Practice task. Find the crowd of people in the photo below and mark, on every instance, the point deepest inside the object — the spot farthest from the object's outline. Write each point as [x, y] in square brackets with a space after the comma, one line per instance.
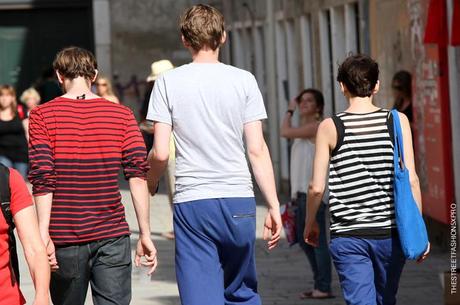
[71, 147]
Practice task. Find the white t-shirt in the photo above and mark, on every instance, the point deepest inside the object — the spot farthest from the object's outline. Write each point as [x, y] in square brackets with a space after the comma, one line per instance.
[302, 155]
[207, 105]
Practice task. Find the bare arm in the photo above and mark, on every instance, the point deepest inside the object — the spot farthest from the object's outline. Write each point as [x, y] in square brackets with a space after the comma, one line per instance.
[409, 159]
[140, 197]
[261, 164]
[145, 247]
[159, 155]
[35, 252]
[25, 124]
[304, 132]
[325, 140]
[43, 204]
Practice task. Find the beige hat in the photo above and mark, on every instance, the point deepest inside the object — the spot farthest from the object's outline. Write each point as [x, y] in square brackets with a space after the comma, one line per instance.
[159, 67]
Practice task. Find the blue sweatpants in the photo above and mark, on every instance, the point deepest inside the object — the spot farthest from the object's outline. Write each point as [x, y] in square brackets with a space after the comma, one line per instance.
[368, 269]
[215, 258]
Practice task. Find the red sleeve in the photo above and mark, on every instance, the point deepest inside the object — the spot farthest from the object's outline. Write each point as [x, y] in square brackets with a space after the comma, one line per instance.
[41, 157]
[20, 195]
[134, 154]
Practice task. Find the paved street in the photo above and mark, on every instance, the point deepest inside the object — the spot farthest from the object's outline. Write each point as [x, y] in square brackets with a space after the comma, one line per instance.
[283, 273]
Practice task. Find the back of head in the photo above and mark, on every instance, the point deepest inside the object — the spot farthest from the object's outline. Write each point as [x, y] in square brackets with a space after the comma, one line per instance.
[359, 74]
[202, 26]
[73, 62]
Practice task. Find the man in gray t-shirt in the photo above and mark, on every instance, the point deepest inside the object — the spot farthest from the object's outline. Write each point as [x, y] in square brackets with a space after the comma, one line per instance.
[210, 107]
[207, 104]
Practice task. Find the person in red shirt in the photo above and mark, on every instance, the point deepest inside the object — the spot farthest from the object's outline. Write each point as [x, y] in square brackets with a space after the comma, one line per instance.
[25, 219]
[78, 143]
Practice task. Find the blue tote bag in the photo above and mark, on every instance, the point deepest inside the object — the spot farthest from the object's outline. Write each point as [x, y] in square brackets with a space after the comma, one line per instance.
[409, 220]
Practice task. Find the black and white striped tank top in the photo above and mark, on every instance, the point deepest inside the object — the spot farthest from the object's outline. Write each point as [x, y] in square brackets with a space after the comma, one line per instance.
[361, 176]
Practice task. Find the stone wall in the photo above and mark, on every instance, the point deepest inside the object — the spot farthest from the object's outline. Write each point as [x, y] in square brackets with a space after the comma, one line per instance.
[144, 32]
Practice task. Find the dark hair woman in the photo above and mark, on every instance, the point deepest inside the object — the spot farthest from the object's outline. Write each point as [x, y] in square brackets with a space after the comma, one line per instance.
[310, 104]
[402, 93]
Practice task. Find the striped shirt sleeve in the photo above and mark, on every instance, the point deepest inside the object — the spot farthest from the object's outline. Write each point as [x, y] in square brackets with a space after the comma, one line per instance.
[42, 174]
[134, 153]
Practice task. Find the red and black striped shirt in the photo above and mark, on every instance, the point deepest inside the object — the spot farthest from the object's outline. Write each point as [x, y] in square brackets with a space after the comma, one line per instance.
[76, 149]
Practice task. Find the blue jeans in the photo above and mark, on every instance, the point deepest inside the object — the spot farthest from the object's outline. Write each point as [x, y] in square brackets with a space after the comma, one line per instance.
[21, 167]
[368, 269]
[105, 264]
[319, 257]
[215, 251]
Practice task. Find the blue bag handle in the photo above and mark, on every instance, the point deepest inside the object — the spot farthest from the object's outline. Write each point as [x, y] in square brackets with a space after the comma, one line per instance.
[399, 147]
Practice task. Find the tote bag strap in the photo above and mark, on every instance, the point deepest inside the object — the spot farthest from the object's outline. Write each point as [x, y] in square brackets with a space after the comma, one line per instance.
[398, 141]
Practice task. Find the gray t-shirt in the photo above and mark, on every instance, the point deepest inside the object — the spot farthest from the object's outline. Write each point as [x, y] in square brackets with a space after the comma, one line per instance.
[207, 105]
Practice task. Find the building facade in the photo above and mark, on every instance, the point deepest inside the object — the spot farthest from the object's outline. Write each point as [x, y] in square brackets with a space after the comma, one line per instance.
[293, 44]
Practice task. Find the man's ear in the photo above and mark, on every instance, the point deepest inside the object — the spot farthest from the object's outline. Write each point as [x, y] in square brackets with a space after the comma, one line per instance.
[59, 77]
[96, 73]
[223, 39]
[376, 88]
[343, 88]
[185, 42]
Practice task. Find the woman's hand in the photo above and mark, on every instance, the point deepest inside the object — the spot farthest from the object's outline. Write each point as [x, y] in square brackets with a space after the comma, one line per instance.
[292, 105]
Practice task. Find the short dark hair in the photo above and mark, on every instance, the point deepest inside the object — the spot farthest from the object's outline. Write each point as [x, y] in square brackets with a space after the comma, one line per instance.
[317, 95]
[202, 26]
[73, 62]
[359, 73]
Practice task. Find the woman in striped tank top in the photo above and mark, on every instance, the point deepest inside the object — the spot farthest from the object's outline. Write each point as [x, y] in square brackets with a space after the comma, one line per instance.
[357, 147]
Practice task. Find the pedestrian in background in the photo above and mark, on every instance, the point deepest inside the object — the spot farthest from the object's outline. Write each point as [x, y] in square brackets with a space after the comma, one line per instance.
[13, 132]
[78, 142]
[310, 105]
[104, 89]
[402, 93]
[147, 128]
[30, 98]
[356, 147]
[210, 107]
[21, 212]
[47, 86]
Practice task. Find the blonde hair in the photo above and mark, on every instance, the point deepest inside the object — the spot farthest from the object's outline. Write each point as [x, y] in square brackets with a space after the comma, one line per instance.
[202, 26]
[8, 89]
[28, 93]
[109, 84]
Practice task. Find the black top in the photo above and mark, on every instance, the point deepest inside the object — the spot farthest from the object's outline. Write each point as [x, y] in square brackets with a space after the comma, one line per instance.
[13, 142]
[409, 113]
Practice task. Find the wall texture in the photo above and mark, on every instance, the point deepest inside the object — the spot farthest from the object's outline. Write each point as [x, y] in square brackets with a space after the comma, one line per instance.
[144, 32]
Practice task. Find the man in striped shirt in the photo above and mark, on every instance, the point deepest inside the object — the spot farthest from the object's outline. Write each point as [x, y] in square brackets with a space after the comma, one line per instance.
[78, 142]
[357, 146]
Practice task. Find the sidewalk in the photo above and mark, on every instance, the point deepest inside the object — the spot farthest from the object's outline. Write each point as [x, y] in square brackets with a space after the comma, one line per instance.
[283, 273]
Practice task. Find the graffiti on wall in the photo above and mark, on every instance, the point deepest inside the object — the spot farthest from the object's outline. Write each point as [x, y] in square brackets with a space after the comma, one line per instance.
[422, 86]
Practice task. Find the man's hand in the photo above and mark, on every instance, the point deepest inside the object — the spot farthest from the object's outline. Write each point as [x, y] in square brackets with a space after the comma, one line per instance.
[51, 251]
[311, 234]
[151, 184]
[272, 226]
[424, 255]
[146, 248]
